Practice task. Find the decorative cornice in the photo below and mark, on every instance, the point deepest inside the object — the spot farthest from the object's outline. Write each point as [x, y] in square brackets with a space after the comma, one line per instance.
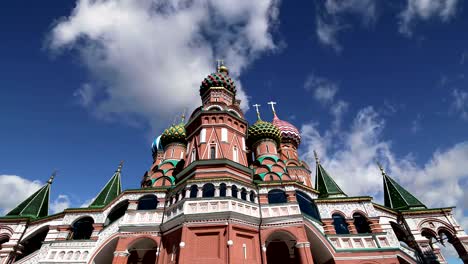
[344, 199]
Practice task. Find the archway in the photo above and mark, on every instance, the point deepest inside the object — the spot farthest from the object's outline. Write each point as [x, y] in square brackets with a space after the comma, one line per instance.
[142, 251]
[33, 242]
[208, 190]
[277, 196]
[147, 202]
[117, 212]
[281, 248]
[82, 228]
[441, 238]
[193, 191]
[361, 224]
[339, 222]
[106, 254]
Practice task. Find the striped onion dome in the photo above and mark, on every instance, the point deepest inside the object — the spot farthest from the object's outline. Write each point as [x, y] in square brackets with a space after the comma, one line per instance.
[288, 131]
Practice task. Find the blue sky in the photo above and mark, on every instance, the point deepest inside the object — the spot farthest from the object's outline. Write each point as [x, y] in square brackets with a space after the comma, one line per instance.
[85, 84]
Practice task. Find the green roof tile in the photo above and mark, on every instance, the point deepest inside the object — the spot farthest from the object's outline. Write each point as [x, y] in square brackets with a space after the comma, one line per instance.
[112, 189]
[325, 184]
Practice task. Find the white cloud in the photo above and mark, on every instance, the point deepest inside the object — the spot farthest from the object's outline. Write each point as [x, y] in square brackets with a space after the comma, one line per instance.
[86, 94]
[460, 103]
[426, 10]
[329, 18]
[61, 203]
[324, 92]
[350, 156]
[148, 58]
[15, 189]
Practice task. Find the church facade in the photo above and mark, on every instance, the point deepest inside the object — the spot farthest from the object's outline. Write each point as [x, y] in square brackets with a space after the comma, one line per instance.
[223, 191]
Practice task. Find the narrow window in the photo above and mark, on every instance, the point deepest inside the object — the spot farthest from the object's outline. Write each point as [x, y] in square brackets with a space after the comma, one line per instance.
[339, 222]
[203, 136]
[192, 158]
[224, 134]
[172, 153]
[213, 152]
[235, 157]
[234, 191]
[222, 190]
[268, 149]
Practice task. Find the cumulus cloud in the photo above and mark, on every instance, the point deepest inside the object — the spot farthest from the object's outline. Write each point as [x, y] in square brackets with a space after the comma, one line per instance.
[147, 58]
[460, 103]
[330, 18]
[61, 203]
[425, 10]
[350, 157]
[13, 190]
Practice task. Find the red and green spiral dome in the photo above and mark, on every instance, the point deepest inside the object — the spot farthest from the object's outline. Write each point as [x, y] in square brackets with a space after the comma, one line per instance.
[218, 79]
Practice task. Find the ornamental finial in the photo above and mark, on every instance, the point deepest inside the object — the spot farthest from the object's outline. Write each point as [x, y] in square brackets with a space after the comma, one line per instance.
[317, 159]
[272, 106]
[51, 179]
[183, 116]
[119, 168]
[221, 68]
[381, 168]
[258, 111]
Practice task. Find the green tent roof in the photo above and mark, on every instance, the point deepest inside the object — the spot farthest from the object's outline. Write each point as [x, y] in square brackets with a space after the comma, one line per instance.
[325, 184]
[112, 189]
[36, 205]
[397, 197]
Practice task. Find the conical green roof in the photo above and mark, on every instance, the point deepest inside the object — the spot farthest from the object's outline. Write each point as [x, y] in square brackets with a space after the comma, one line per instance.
[175, 133]
[261, 130]
[36, 205]
[112, 189]
[325, 184]
[397, 197]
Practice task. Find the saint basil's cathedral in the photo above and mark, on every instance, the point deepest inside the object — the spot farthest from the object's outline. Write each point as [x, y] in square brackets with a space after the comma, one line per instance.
[223, 191]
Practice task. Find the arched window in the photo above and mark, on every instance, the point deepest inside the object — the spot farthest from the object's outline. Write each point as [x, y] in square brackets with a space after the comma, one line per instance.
[252, 196]
[361, 224]
[208, 190]
[193, 191]
[33, 243]
[3, 240]
[222, 190]
[277, 196]
[117, 212]
[82, 229]
[307, 205]
[213, 152]
[244, 194]
[234, 191]
[147, 202]
[339, 222]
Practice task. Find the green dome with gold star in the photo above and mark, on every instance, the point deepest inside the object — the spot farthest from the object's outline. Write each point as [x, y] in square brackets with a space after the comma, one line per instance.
[263, 130]
[175, 133]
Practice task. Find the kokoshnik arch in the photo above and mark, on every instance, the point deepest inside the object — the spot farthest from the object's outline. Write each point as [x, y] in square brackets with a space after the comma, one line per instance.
[223, 191]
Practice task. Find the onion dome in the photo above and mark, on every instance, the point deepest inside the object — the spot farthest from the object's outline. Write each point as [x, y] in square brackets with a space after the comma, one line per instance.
[156, 145]
[288, 131]
[263, 130]
[175, 133]
[218, 79]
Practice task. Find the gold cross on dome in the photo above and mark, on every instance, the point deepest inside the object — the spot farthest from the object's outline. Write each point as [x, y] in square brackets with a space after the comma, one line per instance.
[219, 63]
[258, 111]
[272, 106]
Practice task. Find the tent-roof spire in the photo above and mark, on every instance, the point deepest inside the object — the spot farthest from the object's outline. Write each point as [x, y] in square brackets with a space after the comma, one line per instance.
[36, 205]
[111, 190]
[397, 197]
[324, 183]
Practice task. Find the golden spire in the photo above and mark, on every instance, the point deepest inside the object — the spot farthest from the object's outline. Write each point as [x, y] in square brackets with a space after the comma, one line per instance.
[381, 168]
[51, 179]
[317, 159]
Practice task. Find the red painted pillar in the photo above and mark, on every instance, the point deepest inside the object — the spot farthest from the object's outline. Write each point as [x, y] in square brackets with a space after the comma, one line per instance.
[328, 226]
[183, 251]
[351, 226]
[120, 257]
[304, 252]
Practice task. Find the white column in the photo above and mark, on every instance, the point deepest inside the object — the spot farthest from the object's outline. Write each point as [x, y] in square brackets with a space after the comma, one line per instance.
[228, 191]
[200, 192]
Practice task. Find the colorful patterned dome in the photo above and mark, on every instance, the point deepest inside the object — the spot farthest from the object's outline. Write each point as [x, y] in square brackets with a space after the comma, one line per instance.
[156, 146]
[288, 131]
[261, 130]
[218, 79]
[175, 133]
